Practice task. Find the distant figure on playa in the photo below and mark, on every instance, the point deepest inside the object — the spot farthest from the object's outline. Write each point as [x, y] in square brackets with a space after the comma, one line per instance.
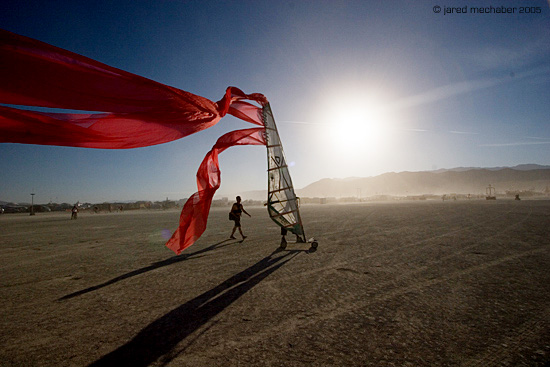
[235, 215]
[74, 212]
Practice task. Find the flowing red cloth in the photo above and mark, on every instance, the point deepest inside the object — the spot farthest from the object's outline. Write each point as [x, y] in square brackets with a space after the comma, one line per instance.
[194, 215]
[135, 111]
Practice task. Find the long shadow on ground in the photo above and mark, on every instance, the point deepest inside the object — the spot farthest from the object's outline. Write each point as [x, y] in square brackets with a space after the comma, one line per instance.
[159, 338]
[153, 266]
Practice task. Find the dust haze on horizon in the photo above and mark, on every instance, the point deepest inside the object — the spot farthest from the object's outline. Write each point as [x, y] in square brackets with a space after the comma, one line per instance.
[528, 179]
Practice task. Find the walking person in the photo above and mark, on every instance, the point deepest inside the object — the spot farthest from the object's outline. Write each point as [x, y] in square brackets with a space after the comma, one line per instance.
[235, 215]
[74, 212]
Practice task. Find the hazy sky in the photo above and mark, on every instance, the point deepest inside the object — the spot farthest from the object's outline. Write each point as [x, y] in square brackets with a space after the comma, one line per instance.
[358, 88]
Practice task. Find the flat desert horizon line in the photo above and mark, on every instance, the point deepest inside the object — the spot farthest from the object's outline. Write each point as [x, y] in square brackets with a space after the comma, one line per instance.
[458, 180]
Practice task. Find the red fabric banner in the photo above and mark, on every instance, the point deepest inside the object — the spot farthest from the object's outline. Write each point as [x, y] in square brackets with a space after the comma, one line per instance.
[135, 111]
[132, 112]
[194, 215]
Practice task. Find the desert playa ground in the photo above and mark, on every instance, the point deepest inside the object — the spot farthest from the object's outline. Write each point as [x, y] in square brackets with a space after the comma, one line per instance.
[464, 283]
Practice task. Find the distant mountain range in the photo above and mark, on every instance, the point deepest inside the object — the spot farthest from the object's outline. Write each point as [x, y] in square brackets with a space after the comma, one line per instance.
[520, 167]
[460, 180]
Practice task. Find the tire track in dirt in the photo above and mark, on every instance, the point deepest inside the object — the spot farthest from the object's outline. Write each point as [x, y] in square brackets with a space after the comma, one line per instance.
[430, 282]
[414, 284]
[346, 268]
[440, 213]
[415, 274]
[467, 228]
[429, 242]
[351, 303]
[503, 352]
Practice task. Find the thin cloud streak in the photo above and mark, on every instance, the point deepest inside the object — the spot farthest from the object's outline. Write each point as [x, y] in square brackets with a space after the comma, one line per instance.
[444, 92]
[417, 130]
[515, 144]
[462, 132]
[302, 122]
[464, 87]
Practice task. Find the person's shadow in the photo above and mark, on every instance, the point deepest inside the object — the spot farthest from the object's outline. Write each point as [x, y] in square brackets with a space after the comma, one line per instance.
[153, 266]
[159, 338]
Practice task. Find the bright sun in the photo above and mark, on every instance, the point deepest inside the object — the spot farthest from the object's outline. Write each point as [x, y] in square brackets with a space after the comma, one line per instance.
[357, 126]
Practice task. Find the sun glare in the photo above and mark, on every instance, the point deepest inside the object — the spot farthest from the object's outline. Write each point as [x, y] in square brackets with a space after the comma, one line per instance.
[361, 126]
[358, 129]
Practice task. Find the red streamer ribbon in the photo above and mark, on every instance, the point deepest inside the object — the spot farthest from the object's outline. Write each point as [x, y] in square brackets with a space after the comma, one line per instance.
[194, 215]
[128, 111]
